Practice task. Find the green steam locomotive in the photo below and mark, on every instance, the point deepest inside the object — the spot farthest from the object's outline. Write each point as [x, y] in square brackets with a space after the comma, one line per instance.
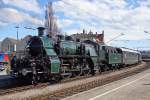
[47, 58]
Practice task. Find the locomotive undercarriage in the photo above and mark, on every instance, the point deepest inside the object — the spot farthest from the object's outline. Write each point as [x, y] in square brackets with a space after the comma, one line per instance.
[29, 68]
[74, 66]
[37, 69]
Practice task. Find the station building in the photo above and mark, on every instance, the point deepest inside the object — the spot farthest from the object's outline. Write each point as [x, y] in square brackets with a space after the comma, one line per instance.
[10, 45]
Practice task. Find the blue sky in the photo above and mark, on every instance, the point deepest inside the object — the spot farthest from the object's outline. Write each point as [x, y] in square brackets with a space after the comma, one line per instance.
[131, 17]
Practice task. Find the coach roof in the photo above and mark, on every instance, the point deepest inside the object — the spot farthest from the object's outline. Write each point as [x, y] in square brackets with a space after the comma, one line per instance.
[129, 50]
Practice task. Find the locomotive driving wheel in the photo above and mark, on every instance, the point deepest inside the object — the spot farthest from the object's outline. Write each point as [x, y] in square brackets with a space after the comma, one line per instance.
[99, 69]
[86, 69]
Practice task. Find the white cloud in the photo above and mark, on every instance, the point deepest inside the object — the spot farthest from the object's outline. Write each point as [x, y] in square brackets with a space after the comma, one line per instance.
[28, 5]
[72, 31]
[2, 23]
[113, 16]
[9, 15]
[64, 23]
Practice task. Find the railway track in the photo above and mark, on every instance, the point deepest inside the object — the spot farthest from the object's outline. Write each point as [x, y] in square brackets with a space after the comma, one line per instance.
[42, 85]
[106, 77]
[20, 88]
[92, 84]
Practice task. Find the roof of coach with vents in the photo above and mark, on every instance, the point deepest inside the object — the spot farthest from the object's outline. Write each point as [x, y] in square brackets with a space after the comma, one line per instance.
[129, 50]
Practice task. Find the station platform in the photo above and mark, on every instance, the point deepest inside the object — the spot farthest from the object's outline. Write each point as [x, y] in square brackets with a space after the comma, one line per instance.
[136, 87]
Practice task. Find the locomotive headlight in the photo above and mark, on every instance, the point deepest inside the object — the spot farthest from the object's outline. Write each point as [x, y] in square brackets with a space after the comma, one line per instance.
[24, 72]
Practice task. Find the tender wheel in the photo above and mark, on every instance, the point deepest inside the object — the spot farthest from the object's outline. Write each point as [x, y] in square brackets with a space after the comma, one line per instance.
[105, 68]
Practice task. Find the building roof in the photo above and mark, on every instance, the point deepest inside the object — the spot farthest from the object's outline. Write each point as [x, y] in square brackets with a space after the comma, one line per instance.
[11, 40]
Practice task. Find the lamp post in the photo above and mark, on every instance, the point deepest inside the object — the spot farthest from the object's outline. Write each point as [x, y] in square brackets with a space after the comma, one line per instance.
[115, 37]
[17, 27]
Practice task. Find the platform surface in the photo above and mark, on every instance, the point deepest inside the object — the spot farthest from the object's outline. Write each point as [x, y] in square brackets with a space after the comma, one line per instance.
[136, 87]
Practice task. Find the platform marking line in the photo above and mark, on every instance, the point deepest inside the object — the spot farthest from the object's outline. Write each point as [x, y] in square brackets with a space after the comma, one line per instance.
[98, 96]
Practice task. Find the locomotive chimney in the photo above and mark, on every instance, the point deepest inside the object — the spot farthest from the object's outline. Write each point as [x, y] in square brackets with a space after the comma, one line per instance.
[40, 31]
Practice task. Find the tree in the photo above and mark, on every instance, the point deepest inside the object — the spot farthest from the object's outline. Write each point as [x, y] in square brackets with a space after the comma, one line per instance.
[50, 21]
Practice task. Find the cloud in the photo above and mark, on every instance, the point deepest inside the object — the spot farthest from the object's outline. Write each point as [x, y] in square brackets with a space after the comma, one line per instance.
[113, 16]
[2, 23]
[63, 23]
[9, 16]
[28, 5]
